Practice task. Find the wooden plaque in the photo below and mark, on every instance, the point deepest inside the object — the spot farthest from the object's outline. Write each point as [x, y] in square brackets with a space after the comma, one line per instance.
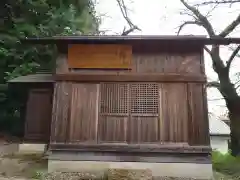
[99, 56]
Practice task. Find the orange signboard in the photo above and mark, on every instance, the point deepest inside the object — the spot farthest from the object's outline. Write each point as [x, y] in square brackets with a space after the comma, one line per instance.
[99, 56]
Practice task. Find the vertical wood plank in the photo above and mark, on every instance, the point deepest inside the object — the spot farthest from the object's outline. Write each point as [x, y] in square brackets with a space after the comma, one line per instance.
[174, 117]
[112, 129]
[198, 120]
[60, 113]
[143, 129]
[205, 117]
[83, 113]
[98, 100]
[163, 114]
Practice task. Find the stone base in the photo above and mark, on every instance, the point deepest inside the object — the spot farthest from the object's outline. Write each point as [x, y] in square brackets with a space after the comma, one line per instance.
[21, 148]
[99, 168]
[31, 148]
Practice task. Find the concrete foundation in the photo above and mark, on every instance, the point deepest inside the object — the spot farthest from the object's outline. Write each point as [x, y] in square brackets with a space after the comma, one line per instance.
[21, 148]
[183, 170]
[31, 148]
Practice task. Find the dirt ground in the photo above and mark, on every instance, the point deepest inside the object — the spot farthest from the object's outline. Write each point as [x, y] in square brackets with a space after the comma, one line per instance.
[28, 166]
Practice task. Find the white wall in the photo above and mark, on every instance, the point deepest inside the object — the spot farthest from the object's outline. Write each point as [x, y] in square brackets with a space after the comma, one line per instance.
[219, 143]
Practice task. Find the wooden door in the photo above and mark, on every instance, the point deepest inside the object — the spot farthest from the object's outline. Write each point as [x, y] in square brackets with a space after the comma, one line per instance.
[38, 116]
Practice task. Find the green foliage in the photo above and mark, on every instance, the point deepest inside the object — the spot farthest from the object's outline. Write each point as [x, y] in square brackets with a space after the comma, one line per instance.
[36, 18]
[226, 163]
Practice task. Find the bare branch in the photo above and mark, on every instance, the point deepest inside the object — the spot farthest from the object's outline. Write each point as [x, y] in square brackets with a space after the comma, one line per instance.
[188, 14]
[237, 55]
[233, 55]
[126, 32]
[211, 10]
[124, 11]
[188, 23]
[201, 18]
[230, 27]
[218, 99]
[218, 2]
[237, 84]
[217, 61]
[213, 84]
[206, 49]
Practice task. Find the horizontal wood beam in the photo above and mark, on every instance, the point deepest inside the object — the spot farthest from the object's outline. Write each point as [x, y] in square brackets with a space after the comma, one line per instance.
[131, 157]
[131, 78]
[114, 147]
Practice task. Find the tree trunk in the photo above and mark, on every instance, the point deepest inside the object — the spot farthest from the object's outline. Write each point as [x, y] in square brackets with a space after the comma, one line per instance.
[233, 104]
[234, 116]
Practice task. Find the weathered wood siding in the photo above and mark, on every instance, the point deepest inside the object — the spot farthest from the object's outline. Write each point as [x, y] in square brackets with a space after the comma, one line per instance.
[143, 129]
[78, 118]
[83, 113]
[198, 134]
[173, 113]
[165, 63]
[147, 63]
[60, 113]
[112, 129]
[133, 113]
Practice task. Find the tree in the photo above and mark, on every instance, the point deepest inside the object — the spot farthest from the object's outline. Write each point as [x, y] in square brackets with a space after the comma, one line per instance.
[124, 12]
[227, 89]
[230, 2]
[35, 18]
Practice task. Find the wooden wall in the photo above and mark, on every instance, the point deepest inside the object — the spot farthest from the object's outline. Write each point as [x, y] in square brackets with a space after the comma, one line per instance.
[146, 63]
[181, 115]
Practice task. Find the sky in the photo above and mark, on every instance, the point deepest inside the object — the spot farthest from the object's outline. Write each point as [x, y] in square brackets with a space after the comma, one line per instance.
[158, 17]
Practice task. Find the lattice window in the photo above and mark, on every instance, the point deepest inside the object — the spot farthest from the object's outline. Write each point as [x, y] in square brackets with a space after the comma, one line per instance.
[144, 98]
[114, 98]
[133, 98]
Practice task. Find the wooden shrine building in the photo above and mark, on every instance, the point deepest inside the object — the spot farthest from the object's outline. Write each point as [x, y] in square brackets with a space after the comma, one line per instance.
[139, 100]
